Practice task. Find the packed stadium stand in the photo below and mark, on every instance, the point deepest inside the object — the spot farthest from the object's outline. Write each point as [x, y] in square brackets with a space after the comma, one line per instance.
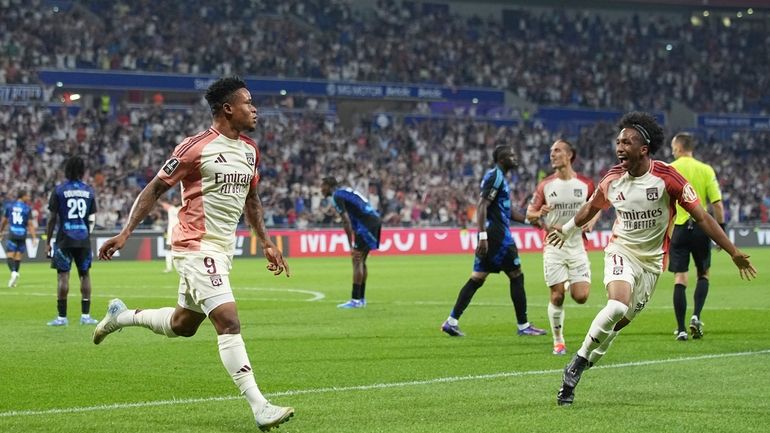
[675, 59]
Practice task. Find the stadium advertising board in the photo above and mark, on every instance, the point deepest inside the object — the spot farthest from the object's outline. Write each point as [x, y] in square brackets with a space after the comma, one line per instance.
[317, 243]
[413, 241]
[734, 121]
[89, 79]
[12, 93]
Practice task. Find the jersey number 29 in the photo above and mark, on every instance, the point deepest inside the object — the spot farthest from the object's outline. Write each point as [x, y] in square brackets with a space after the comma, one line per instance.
[77, 208]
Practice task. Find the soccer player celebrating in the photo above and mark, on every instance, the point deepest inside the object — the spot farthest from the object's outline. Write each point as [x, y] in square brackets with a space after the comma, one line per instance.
[642, 191]
[218, 172]
[689, 239]
[72, 207]
[557, 199]
[17, 217]
[496, 250]
[362, 225]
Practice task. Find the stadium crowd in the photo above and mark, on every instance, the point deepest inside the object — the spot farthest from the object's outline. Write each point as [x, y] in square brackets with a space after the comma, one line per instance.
[552, 57]
[416, 174]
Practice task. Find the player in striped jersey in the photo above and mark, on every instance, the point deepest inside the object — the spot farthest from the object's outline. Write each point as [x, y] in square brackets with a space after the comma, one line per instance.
[643, 192]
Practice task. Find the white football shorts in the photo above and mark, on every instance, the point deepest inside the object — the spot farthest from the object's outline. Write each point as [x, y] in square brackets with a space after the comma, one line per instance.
[204, 280]
[560, 265]
[622, 267]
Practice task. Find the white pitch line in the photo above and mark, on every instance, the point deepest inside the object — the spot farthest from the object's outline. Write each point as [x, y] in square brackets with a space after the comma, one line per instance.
[375, 386]
[320, 296]
[314, 295]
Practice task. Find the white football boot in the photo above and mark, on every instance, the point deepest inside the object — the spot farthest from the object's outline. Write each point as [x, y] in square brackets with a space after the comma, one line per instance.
[272, 416]
[109, 324]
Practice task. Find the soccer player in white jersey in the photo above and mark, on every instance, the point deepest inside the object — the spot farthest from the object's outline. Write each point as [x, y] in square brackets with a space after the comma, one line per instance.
[556, 200]
[218, 172]
[643, 192]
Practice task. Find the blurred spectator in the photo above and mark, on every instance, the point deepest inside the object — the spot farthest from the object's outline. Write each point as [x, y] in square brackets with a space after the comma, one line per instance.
[415, 174]
[564, 57]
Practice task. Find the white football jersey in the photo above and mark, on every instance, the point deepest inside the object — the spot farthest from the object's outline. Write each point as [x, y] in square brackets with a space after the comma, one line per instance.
[216, 173]
[564, 197]
[645, 208]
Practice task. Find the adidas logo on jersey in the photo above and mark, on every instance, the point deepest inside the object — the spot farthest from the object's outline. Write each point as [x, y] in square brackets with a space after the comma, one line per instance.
[220, 159]
[551, 195]
[620, 197]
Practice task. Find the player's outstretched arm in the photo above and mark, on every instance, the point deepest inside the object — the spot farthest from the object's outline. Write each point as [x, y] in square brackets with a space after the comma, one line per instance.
[142, 206]
[254, 216]
[712, 229]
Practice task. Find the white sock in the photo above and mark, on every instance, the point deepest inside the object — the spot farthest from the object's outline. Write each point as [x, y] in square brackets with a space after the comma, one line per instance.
[452, 321]
[556, 317]
[157, 320]
[232, 351]
[602, 326]
[522, 326]
[597, 353]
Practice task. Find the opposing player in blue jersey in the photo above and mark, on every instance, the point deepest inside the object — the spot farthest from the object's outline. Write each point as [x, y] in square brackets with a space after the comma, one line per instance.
[362, 224]
[17, 217]
[72, 208]
[496, 250]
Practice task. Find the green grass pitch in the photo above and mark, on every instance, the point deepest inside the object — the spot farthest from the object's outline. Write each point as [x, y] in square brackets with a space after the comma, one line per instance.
[386, 368]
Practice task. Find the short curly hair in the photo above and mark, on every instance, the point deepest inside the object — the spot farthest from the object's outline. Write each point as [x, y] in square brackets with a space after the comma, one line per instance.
[499, 151]
[74, 168]
[220, 92]
[645, 124]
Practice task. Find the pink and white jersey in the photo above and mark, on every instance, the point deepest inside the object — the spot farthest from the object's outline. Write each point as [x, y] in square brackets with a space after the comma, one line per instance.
[645, 207]
[564, 197]
[216, 173]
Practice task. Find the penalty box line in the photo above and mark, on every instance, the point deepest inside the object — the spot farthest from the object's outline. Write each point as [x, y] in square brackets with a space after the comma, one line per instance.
[376, 386]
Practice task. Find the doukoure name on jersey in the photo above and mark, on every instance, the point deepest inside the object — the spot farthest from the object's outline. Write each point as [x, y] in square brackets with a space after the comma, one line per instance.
[639, 219]
[233, 183]
[76, 193]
